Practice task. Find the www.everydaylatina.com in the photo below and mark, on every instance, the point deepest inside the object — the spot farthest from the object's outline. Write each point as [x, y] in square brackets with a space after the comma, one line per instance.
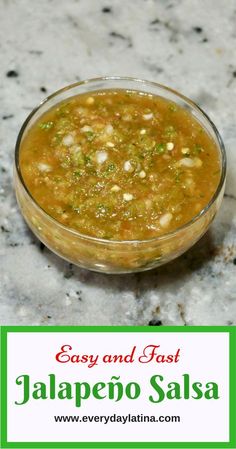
[122, 419]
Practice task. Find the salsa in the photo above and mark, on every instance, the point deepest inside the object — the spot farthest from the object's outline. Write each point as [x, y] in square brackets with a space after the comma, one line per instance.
[119, 164]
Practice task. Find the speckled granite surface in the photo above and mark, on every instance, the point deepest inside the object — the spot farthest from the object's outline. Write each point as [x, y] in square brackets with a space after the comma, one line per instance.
[190, 46]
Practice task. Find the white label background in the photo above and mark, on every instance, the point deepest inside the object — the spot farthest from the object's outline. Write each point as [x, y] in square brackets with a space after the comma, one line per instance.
[205, 356]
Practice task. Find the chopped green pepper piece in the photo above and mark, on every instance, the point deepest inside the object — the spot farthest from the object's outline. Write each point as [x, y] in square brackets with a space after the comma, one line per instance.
[46, 125]
[160, 148]
[197, 149]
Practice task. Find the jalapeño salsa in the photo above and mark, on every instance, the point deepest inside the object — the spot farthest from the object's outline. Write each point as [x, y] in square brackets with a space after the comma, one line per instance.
[120, 165]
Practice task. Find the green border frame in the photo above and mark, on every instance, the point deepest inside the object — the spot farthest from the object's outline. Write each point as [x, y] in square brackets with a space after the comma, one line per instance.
[4, 330]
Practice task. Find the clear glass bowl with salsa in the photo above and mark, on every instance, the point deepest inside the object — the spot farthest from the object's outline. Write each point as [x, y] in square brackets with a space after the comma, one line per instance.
[119, 174]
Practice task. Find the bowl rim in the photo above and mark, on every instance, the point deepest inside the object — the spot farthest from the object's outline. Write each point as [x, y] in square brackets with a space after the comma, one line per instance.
[153, 84]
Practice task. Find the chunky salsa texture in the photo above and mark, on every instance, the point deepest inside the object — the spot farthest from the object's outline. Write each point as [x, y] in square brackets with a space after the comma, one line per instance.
[120, 165]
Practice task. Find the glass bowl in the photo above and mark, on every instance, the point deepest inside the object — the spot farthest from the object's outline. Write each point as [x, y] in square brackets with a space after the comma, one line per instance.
[116, 256]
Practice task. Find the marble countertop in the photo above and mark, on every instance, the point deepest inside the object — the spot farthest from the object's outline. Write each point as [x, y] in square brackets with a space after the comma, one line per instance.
[190, 46]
